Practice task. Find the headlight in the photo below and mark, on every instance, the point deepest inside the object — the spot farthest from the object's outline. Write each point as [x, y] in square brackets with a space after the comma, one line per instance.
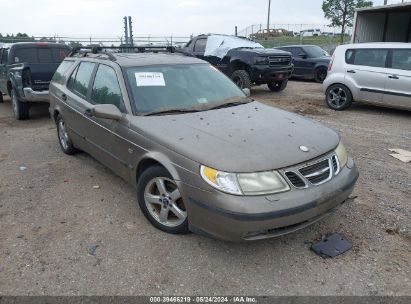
[261, 60]
[342, 155]
[262, 183]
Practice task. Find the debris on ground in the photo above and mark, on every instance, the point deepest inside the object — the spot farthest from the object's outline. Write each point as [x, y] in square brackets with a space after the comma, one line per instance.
[402, 155]
[22, 168]
[331, 246]
[96, 187]
[92, 249]
[393, 231]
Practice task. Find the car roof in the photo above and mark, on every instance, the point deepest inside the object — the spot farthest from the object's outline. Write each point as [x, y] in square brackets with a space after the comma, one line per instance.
[377, 45]
[148, 59]
[297, 45]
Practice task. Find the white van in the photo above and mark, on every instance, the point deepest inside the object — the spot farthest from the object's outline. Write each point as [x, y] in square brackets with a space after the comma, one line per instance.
[377, 73]
[311, 33]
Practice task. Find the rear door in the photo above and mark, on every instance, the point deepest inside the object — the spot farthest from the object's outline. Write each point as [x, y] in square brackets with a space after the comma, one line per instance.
[366, 68]
[398, 88]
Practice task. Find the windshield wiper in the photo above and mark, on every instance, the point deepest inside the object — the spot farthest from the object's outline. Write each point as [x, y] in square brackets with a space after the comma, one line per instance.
[170, 111]
[230, 104]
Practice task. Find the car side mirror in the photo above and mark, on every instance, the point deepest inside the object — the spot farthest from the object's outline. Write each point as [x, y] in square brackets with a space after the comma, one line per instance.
[302, 55]
[106, 111]
[247, 92]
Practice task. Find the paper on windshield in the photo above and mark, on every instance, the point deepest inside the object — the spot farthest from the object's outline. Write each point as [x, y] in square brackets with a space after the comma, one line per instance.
[150, 79]
[219, 46]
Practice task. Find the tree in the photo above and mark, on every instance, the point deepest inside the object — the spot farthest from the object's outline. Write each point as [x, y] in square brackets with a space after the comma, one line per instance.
[341, 12]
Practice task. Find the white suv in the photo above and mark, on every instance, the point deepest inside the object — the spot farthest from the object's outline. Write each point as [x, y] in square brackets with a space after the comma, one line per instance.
[378, 73]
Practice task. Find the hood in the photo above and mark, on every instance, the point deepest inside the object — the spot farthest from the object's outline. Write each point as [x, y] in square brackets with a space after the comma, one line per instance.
[268, 52]
[247, 138]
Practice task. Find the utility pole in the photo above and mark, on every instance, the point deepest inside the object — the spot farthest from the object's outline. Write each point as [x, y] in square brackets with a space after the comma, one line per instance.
[130, 27]
[126, 30]
[385, 2]
[268, 18]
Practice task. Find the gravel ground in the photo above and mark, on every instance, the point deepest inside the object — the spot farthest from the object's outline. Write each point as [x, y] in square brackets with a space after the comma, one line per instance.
[61, 236]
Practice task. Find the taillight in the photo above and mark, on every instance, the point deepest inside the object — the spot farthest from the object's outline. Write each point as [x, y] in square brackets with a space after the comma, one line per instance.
[330, 66]
[26, 78]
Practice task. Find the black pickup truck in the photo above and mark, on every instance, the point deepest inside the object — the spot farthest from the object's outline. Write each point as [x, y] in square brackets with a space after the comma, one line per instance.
[25, 73]
[246, 62]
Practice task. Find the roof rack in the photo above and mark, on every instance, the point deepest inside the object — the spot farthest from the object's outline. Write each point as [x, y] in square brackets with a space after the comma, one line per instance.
[84, 51]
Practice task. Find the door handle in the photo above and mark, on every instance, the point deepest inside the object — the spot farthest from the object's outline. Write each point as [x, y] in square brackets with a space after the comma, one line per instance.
[394, 77]
[88, 113]
[351, 71]
[64, 97]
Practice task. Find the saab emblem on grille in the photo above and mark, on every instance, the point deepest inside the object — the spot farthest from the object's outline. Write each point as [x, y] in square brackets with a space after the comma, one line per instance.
[304, 149]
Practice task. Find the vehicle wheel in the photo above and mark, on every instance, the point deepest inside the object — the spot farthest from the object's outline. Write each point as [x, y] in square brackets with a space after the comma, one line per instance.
[20, 109]
[242, 79]
[338, 97]
[64, 140]
[161, 202]
[277, 86]
[320, 74]
[1, 97]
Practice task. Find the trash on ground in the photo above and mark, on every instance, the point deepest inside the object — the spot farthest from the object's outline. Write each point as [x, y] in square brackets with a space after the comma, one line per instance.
[96, 187]
[402, 155]
[22, 168]
[92, 249]
[331, 246]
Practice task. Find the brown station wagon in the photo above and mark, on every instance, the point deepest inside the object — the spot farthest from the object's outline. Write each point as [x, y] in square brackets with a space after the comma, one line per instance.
[203, 156]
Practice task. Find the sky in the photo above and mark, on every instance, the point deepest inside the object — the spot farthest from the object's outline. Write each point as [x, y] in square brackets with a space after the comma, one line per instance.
[104, 18]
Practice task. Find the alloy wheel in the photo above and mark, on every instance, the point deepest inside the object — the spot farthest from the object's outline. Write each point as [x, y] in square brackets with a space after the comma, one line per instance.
[337, 97]
[164, 202]
[63, 136]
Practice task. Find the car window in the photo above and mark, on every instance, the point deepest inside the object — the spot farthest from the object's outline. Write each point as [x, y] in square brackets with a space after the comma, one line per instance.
[370, 57]
[40, 54]
[106, 89]
[80, 79]
[200, 45]
[401, 59]
[63, 68]
[25, 55]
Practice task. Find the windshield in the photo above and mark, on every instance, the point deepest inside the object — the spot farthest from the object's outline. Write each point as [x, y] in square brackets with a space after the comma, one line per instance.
[180, 87]
[315, 51]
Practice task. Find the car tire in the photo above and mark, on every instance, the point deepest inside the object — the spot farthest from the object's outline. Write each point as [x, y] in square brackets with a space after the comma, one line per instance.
[242, 79]
[161, 202]
[20, 109]
[320, 74]
[277, 86]
[338, 97]
[65, 142]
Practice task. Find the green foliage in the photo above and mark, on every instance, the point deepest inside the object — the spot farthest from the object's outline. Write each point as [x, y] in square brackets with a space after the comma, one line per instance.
[341, 12]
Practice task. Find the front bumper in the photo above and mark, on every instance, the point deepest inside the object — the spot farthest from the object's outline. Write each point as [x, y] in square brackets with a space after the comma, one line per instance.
[35, 96]
[266, 74]
[239, 218]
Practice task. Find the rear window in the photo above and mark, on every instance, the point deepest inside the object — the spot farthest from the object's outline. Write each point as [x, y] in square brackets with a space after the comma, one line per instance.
[367, 57]
[40, 55]
[401, 59]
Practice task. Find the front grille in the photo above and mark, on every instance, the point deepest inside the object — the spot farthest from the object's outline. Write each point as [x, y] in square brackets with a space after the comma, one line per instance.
[279, 60]
[318, 172]
[314, 168]
[313, 174]
[295, 180]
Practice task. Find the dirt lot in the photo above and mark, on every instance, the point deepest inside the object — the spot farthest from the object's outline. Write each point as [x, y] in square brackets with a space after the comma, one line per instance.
[51, 217]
